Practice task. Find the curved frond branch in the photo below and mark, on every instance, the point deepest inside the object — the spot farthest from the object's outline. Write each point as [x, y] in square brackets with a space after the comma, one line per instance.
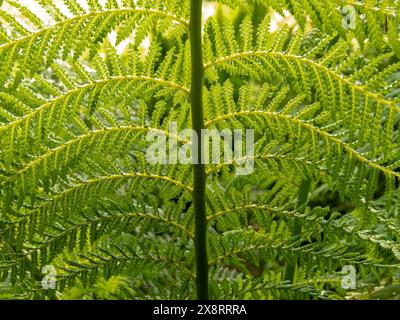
[76, 91]
[219, 167]
[311, 128]
[93, 182]
[79, 139]
[126, 258]
[268, 245]
[123, 176]
[96, 221]
[149, 11]
[237, 56]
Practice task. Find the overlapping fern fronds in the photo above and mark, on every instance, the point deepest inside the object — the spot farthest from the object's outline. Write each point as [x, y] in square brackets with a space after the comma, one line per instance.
[76, 190]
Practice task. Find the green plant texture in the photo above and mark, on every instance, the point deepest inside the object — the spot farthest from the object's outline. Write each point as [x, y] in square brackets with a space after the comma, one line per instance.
[84, 82]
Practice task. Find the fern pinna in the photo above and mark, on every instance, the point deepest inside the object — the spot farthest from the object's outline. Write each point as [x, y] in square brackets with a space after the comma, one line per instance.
[78, 194]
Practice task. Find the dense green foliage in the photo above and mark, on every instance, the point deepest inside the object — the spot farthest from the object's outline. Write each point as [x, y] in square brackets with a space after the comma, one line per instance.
[77, 193]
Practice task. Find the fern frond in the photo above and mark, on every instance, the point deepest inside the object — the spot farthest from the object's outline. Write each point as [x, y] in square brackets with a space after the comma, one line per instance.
[84, 86]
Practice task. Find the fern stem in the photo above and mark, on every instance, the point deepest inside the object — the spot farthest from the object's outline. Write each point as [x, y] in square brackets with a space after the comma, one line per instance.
[290, 267]
[199, 167]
